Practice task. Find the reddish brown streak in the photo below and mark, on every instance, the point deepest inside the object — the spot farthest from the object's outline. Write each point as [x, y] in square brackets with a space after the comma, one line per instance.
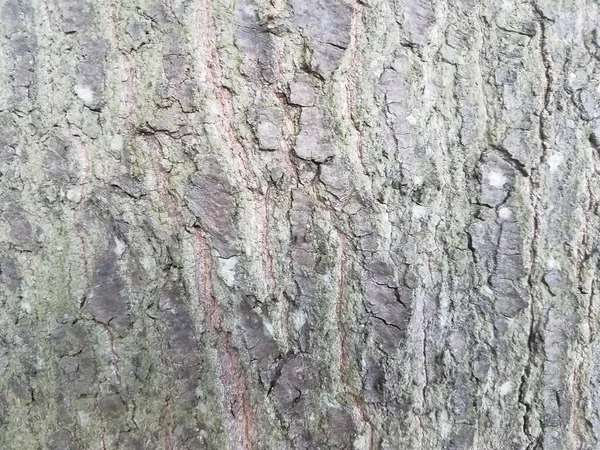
[232, 380]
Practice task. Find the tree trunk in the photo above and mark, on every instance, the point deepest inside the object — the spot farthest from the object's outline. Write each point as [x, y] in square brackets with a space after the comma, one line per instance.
[299, 224]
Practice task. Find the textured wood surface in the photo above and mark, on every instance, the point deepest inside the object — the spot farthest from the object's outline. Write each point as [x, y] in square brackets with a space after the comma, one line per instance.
[299, 224]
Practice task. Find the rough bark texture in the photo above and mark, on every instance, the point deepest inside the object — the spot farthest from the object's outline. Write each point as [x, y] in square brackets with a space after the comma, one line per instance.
[299, 224]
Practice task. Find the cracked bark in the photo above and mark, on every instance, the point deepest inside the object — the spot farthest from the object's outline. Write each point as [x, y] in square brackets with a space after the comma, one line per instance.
[304, 224]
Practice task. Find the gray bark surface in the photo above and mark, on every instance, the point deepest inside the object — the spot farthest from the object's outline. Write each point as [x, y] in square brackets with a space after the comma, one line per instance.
[299, 224]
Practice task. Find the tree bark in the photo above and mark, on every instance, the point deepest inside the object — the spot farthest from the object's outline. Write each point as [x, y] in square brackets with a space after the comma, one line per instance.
[299, 224]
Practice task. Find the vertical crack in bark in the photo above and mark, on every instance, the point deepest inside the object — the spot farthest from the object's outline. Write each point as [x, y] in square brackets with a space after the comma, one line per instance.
[175, 215]
[576, 405]
[113, 352]
[352, 81]
[526, 378]
[425, 385]
[227, 124]
[339, 310]
[360, 404]
[290, 113]
[578, 408]
[290, 118]
[84, 180]
[548, 80]
[102, 440]
[234, 392]
[48, 15]
[223, 94]
[161, 421]
[590, 314]
[268, 256]
[168, 387]
[535, 180]
[130, 104]
[233, 374]
[339, 305]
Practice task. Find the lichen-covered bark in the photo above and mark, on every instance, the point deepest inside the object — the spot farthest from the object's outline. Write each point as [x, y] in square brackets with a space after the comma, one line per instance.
[303, 224]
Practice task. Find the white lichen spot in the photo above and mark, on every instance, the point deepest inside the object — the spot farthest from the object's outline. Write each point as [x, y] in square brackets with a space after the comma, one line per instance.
[298, 319]
[119, 246]
[352, 208]
[26, 306]
[362, 442]
[148, 263]
[505, 388]
[487, 291]
[496, 179]
[419, 211]
[417, 180]
[504, 213]
[74, 195]
[249, 9]
[84, 93]
[116, 143]
[411, 120]
[269, 327]
[445, 427]
[555, 160]
[83, 418]
[553, 264]
[227, 270]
